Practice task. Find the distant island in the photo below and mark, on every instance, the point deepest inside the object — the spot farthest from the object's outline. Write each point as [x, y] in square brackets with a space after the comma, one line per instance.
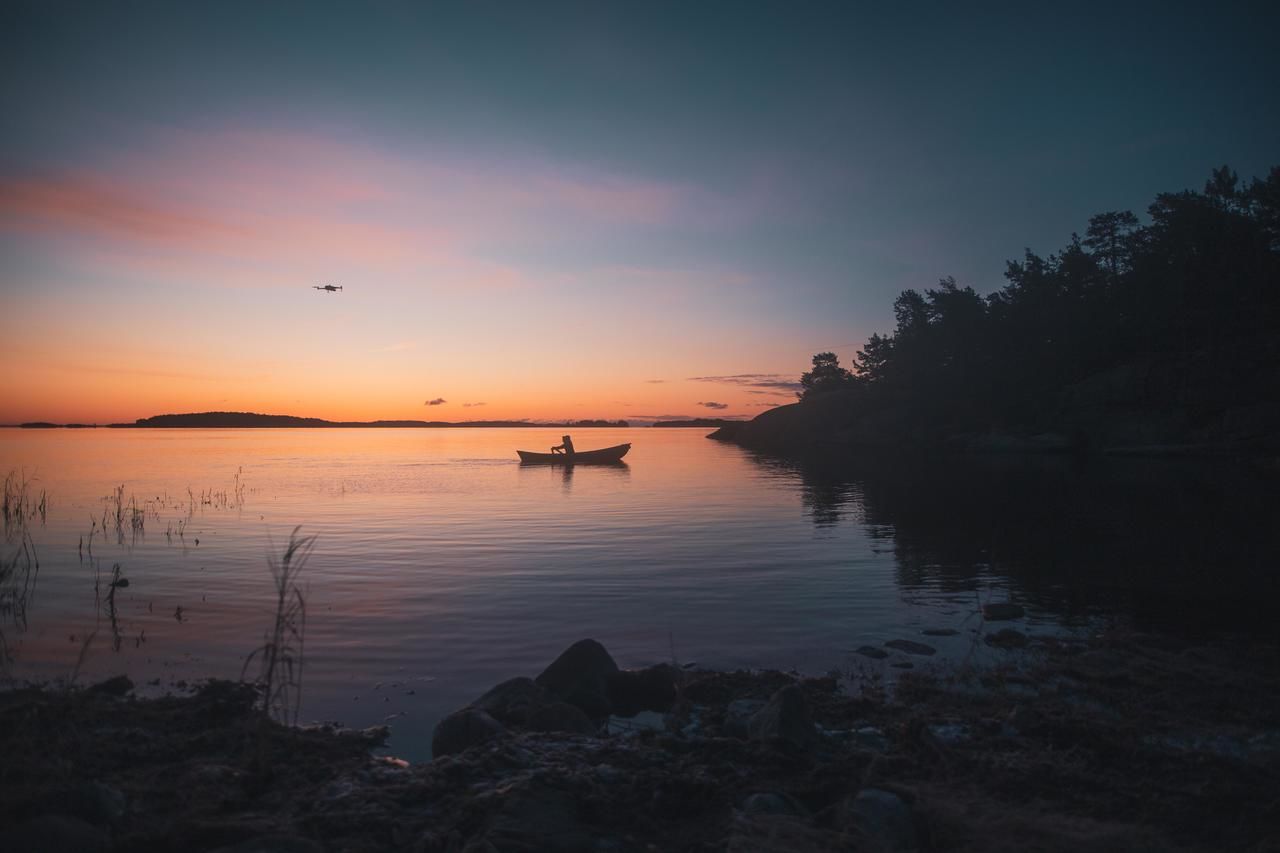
[253, 420]
[699, 422]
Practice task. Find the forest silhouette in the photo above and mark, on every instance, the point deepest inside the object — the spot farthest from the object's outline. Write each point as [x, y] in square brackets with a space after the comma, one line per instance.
[1178, 314]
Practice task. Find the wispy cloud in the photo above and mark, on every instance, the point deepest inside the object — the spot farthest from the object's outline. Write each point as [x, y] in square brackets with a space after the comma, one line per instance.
[93, 204]
[472, 405]
[185, 376]
[654, 381]
[776, 382]
[245, 208]
[682, 417]
[438, 401]
[714, 405]
[149, 219]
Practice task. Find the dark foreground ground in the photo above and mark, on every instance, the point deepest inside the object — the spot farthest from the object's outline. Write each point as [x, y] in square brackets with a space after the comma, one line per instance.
[1124, 742]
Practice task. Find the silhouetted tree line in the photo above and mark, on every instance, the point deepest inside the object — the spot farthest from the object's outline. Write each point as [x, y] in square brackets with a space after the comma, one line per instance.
[1201, 280]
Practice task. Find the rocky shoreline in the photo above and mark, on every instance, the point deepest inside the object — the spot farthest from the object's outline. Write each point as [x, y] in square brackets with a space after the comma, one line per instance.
[1120, 742]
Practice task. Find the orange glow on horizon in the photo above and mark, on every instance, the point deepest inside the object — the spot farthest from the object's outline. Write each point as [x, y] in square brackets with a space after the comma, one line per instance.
[178, 278]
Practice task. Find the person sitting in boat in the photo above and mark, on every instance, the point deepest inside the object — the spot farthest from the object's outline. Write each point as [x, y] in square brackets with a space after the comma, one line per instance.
[566, 448]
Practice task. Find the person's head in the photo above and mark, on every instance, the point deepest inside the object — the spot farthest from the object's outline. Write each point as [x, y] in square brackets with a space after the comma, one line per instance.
[564, 438]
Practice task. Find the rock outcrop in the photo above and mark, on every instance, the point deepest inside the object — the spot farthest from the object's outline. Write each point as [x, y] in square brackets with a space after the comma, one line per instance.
[744, 761]
[575, 694]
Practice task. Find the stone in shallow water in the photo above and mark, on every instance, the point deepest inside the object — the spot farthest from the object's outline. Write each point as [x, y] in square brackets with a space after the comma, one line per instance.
[940, 632]
[872, 652]
[1007, 638]
[998, 611]
[911, 647]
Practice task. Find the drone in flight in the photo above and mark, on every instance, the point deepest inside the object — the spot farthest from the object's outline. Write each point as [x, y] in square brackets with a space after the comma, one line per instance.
[331, 288]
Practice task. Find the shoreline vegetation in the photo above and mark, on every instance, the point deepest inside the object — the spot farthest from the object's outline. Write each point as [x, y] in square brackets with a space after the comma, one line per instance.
[1155, 339]
[1118, 741]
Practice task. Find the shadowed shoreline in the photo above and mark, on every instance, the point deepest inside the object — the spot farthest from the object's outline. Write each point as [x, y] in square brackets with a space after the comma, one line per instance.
[949, 759]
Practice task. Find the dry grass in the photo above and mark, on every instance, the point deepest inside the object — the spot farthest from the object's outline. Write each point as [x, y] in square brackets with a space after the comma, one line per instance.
[280, 657]
[18, 504]
[18, 573]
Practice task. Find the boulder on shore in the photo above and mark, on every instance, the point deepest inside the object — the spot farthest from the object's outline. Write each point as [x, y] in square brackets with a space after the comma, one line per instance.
[784, 717]
[561, 717]
[462, 730]
[651, 689]
[513, 701]
[580, 676]
[884, 820]
[580, 688]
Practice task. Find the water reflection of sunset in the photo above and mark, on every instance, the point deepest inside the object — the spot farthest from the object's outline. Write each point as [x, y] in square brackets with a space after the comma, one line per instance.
[439, 557]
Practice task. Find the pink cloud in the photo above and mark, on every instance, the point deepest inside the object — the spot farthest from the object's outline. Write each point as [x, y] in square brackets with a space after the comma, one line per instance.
[262, 207]
[310, 170]
[97, 206]
[93, 204]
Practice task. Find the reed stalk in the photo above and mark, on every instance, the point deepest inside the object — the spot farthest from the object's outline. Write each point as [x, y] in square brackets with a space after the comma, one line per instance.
[280, 657]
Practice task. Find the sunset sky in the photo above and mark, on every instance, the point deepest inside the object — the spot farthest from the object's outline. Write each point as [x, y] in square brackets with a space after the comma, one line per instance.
[538, 210]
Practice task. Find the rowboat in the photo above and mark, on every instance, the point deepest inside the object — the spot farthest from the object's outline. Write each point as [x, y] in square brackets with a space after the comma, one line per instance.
[604, 456]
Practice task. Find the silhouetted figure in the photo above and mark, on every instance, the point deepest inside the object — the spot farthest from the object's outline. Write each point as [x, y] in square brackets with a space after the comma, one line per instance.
[566, 448]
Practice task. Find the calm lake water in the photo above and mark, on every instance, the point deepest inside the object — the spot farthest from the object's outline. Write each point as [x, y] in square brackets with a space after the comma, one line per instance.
[442, 566]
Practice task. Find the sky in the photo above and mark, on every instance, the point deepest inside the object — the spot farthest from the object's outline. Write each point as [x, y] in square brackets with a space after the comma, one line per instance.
[547, 210]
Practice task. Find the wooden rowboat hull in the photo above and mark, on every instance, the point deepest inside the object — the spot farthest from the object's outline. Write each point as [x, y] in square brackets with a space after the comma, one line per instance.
[604, 456]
